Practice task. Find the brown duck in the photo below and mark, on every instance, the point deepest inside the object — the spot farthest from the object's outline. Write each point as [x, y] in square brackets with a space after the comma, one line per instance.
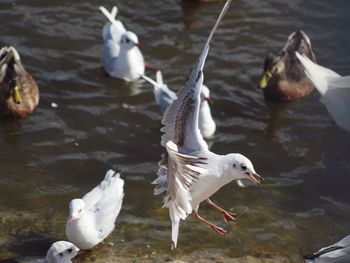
[284, 78]
[19, 93]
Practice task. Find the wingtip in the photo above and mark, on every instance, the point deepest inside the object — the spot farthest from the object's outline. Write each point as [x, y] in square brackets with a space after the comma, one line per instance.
[159, 77]
[112, 173]
[149, 80]
[102, 8]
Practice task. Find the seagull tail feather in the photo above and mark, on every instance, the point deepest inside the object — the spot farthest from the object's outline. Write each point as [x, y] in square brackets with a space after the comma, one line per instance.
[175, 224]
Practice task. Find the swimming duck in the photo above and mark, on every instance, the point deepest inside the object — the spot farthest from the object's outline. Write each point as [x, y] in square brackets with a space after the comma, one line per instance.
[283, 78]
[19, 93]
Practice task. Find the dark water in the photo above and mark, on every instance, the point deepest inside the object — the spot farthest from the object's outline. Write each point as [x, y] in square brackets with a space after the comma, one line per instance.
[61, 153]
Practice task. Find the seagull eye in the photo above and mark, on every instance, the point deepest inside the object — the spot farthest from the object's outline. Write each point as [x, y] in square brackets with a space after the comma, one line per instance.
[243, 167]
[69, 250]
[127, 40]
[61, 255]
[234, 165]
[80, 210]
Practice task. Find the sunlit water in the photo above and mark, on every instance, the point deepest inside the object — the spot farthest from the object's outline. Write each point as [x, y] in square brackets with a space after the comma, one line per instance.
[61, 153]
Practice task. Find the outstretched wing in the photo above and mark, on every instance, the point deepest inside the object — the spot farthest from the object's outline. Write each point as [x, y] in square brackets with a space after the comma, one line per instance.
[181, 118]
[105, 201]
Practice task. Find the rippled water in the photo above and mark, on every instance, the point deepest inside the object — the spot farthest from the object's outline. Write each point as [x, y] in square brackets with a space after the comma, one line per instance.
[61, 153]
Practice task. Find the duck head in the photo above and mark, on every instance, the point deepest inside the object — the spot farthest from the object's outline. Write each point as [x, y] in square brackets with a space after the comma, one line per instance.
[285, 64]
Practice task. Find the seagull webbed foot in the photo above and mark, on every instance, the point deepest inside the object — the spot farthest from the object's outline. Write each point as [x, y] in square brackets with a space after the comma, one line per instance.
[216, 228]
[228, 216]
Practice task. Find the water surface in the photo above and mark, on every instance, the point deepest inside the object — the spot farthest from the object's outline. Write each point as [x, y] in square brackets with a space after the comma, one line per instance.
[61, 153]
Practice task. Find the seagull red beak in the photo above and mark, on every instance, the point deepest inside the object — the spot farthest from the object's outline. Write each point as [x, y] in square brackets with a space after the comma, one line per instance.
[71, 218]
[210, 100]
[256, 178]
[138, 45]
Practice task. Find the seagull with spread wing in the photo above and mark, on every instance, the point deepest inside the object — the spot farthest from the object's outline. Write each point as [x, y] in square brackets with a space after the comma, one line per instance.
[190, 173]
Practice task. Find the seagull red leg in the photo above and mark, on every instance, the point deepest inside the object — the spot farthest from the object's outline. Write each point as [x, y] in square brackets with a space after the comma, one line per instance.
[216, 228]
[228, 216]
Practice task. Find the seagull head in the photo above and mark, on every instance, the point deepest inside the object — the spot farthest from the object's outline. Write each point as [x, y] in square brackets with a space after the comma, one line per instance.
[205, 94]
[61, 252]
[242, 168]
[130, 40]
[76, 209]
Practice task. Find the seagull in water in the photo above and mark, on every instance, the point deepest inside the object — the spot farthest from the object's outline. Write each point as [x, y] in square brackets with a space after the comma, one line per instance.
[334, 90]
[336, 253]
[164, 97]
[91, 219]
[190, 173]
[121, 56]
[61, 252]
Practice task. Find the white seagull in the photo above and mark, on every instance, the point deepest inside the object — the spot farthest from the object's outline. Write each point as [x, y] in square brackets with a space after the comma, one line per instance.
[191, 173]
[334, 90]
[121, 56]
[164, 97]
[61, 252]
[91, 219]
[336, 253]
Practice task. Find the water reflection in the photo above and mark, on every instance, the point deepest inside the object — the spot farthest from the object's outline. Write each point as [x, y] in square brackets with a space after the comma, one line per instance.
[278, 112]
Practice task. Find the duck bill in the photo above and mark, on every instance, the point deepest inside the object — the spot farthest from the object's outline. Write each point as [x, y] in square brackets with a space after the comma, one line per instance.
[16, 95]
[264, 80]
[256, 178]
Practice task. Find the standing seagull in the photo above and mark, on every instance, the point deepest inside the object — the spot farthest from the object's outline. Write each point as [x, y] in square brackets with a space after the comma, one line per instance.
[91, 219]
[61, 252]
[190, 173]
[336, 253]
[121, 56]
[334, 89]
[164, 97]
